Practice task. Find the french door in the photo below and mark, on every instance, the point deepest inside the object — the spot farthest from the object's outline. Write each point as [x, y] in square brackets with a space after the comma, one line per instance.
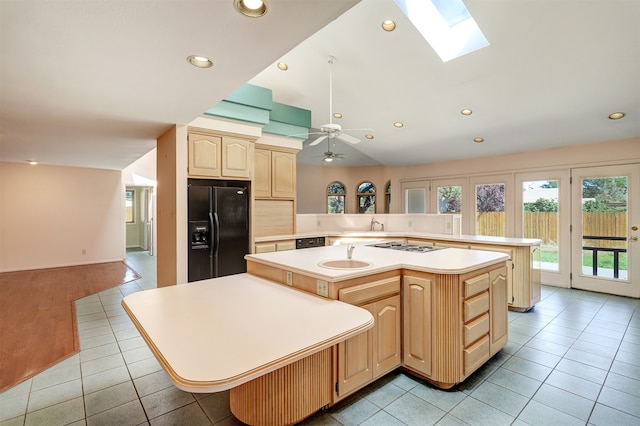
[605, 222]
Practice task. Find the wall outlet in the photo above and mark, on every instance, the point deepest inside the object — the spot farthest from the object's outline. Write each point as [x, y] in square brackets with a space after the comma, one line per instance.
[318, 223]
[322, 288]
[410, 223]
[289, 278]
[84, 251]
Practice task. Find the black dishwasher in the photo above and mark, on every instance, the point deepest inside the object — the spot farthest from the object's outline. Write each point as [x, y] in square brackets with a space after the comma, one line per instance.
[302, 243]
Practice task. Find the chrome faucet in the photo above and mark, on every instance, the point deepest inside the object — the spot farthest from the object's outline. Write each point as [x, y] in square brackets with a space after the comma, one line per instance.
[350, 249]
[372, 227]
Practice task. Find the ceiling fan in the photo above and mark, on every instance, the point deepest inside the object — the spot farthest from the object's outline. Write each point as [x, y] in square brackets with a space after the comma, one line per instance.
[330, 156]
[333, 130]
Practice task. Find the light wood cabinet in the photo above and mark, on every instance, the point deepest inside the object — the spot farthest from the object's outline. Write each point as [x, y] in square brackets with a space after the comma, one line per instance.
[499, 319]
[204, 155]
[219, 156]
[369, 355]
[271, 246]
[523, 280]
[274, 174]
[416, 293]
[453, 323]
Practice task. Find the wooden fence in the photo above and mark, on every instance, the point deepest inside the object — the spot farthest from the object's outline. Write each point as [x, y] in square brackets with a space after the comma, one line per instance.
[545, 226]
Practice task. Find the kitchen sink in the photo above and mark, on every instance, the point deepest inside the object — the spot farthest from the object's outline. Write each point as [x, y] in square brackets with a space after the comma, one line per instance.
[344, 264]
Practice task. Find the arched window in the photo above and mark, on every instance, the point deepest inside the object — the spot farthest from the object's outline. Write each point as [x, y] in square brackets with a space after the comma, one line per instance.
[366, 197]
[387, 197]
[336, 194]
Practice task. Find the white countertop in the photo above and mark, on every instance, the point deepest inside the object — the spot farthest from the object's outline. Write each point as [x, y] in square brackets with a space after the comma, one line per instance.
[478, 239]
[216, 334]
[445, 261]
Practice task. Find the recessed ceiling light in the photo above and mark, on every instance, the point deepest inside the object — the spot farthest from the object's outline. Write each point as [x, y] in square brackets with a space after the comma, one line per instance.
[32, 162]
[337, 115]
[200, 61]
[388, 25]
[251, 8]
[478, 140]
[282, 66]
[398, 124]
[466, 111]
[368, 136]
[616, 115]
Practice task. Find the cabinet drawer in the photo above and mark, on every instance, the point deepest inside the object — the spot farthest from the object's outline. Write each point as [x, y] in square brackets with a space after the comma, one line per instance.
[475, 355]
[476, 285]
[475, 306]
[264, 247]
[476, 329]
[286, 245]
[364, 293]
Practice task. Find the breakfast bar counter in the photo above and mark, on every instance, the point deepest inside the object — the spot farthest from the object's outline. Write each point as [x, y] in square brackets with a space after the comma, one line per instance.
[245, 333]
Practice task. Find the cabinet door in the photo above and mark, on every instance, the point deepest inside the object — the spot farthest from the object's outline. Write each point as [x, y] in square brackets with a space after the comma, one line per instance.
[236, 157]
[498, 309]
[355, 359]
[262, 173]
[417, 323]
[386, 338]
[204, 155]
[283, 175]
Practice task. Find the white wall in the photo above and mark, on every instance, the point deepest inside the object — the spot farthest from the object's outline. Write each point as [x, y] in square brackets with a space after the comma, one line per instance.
[50, 214]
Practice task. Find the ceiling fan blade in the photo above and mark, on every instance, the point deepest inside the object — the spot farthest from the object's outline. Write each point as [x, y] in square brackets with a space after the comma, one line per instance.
[348, 138]
[317, 141]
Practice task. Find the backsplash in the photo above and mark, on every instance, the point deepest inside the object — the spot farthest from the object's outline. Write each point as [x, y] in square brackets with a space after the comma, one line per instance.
[449, 224]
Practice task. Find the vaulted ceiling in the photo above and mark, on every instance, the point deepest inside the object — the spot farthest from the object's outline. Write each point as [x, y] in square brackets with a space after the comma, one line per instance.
[93, 84]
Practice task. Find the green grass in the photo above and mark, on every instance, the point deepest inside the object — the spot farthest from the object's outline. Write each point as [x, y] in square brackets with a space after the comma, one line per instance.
[605, 259]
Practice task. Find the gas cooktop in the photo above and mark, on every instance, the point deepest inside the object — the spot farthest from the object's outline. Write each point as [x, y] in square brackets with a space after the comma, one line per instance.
[416, 248]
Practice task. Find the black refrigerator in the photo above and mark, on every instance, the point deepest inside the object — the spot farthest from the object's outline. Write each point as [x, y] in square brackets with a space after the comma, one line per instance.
[218, 228]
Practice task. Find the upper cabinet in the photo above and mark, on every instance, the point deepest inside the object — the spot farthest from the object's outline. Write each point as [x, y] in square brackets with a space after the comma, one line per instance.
[219, 156]
[274, 173]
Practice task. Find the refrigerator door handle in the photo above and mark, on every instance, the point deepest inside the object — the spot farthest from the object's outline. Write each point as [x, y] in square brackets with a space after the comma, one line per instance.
[215, 225]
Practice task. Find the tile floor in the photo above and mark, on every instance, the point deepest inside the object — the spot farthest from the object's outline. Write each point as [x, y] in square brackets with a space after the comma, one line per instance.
[573, 359]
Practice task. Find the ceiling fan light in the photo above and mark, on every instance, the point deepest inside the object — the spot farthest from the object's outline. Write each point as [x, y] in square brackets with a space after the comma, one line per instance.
[251, 8]
[616, 115]
[327, 159]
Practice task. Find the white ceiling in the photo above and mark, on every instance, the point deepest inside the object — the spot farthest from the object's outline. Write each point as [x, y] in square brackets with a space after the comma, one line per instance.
[552, 74]
[93, 84]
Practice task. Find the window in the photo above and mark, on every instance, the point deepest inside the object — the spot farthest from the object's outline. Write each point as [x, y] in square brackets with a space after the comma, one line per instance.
[336, 194]
[129, 203]
[450, 199]
[387, 197]
[447, 25]
[541, 219]
[366, 197]
[490, 213]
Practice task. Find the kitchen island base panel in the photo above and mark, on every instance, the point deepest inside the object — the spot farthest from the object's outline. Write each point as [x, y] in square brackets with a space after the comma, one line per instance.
[287, 395]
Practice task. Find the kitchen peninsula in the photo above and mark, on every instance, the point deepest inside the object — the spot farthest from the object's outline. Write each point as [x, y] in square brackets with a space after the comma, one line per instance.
[523, 268]
[276, 347]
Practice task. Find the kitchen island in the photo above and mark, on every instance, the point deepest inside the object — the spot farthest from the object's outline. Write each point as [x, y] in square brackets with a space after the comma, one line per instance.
[523, 269]
[439, 314]
[284, 352]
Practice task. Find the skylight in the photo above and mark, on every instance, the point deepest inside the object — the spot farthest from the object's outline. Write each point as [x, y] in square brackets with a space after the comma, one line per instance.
[447, 25]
